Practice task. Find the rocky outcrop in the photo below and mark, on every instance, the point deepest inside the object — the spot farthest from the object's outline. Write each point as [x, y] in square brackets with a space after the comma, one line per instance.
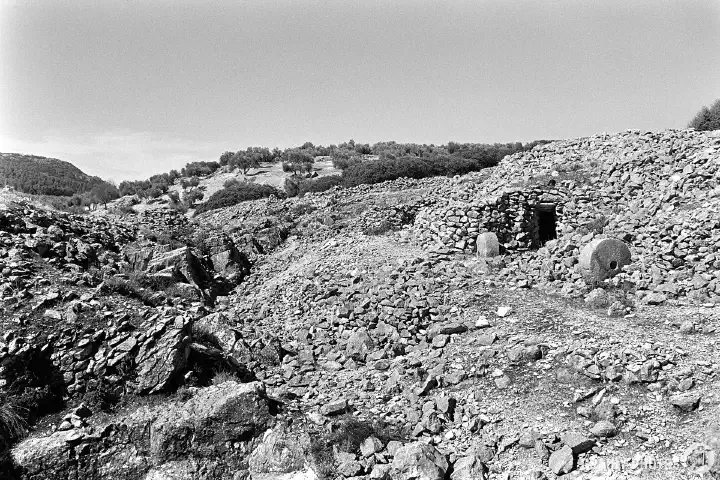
[184, 264]
[146, 358]
[224, 256]
[162, 357]
[205, 437]
[180, 264]
[140, 254]
[213, 267]
[216, 327]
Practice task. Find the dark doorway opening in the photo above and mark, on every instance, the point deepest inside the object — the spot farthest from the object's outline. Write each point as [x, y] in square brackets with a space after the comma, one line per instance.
[547, 223]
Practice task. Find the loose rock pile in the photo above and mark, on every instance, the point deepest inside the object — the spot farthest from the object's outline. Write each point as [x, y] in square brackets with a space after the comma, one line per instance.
[70, 242]
[386, 348]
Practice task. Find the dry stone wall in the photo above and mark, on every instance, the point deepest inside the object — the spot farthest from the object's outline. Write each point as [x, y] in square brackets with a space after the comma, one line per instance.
[511, 215]
[659, 192]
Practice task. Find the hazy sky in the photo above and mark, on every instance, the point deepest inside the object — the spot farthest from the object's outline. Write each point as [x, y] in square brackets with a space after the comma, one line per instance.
[126, 88]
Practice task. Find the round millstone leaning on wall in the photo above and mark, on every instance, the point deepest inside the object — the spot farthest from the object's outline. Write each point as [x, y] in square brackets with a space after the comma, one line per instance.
[603, 258]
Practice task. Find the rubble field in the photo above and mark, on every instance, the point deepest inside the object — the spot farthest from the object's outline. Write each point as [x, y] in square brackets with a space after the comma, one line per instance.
[359, 334]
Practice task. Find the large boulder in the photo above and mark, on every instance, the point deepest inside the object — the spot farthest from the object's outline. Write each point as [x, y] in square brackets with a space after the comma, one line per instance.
[216, 327]
[280, 455]
[226, 259]
[163, 355]
[359, 345]
[139, 254]
[210, 422]
[469, 468]
[603, 258]
[418, 461]
[214, 428]
[222, 254]
[183, 261]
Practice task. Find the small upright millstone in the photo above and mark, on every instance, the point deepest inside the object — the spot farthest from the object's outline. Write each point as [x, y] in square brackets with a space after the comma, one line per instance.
[603, 258]
[488, 245]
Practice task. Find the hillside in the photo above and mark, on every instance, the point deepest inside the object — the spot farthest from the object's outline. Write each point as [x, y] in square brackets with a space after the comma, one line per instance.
[44, 176]
[413, 329]
[348, 164]
[265, 174]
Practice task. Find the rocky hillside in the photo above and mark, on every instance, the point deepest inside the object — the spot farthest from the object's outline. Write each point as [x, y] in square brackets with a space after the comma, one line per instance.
[44, 176]
[660, 192]
[374, 332]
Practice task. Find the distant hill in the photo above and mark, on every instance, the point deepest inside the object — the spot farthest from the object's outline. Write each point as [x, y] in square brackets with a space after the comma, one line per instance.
[44, 176]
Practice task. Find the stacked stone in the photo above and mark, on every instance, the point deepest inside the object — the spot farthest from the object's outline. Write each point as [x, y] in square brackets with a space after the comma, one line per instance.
[509, 215]
[378, 220]
[163, 220]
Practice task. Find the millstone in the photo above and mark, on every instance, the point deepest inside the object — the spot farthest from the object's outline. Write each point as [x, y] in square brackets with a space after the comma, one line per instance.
[487, 245]
[603, 258]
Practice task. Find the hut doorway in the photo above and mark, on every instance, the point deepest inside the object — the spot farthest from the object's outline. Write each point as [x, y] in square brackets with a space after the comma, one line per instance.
[546, 221]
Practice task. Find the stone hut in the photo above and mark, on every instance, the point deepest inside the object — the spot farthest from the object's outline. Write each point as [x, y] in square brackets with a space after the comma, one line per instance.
[523, 218]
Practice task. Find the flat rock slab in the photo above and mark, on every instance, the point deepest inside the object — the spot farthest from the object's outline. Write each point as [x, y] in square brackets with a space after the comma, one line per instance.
[562, 461]
[687, 402]
[162, 356]
[335, 408]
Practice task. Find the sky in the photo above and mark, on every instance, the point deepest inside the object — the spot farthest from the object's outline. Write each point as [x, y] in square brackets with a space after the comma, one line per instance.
[125, 89]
